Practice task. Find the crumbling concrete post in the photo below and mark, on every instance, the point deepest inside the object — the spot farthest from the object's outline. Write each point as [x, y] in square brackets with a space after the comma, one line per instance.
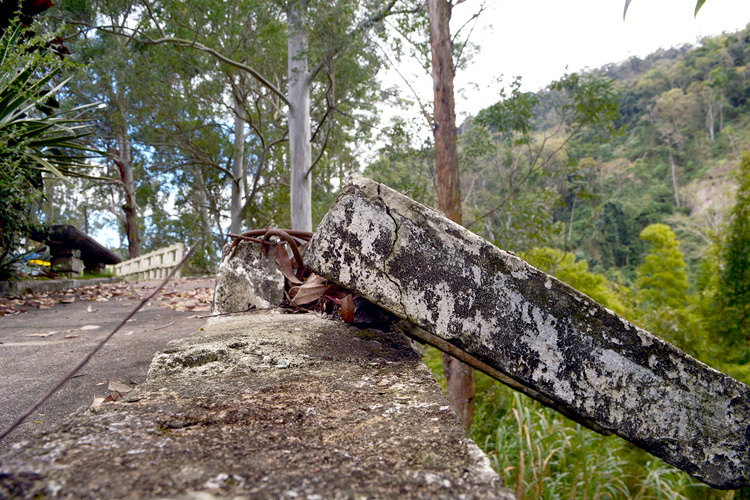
[540, 335]
[247, 279]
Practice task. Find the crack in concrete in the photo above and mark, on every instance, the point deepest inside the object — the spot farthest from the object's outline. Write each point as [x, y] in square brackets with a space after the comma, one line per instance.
[390, 254]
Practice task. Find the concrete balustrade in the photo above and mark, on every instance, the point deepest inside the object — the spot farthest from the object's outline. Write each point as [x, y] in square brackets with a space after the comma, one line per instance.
[152, 266]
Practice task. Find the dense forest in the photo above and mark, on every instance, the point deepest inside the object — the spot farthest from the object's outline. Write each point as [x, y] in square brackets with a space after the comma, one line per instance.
[629, 182]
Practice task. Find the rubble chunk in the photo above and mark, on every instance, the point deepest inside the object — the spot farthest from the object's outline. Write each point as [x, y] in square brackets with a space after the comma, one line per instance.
[247, 279]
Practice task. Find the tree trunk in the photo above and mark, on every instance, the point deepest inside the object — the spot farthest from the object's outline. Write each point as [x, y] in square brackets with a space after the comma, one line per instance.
[674, 176]
[572, 215]
[461, 386]
[710, 119]
[238, 168]
[300, 155]
[446, 151]
[203, 204]
[130, 208]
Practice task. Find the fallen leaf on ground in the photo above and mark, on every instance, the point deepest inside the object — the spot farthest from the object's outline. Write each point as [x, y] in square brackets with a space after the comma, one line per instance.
[112, 398]
[41, 334]
[90, 327]
[119, 387]
[71, 336]
[285, 264]
[312, 290]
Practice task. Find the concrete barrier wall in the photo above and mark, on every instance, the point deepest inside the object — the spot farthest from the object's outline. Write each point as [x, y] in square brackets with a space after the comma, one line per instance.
[265, 406]
[152, 266]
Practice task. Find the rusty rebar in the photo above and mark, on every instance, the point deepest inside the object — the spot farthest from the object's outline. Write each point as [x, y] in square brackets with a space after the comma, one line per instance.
[291, 236]
[288, 238]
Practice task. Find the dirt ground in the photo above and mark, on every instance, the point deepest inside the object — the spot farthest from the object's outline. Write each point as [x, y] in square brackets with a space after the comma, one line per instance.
[43, 336]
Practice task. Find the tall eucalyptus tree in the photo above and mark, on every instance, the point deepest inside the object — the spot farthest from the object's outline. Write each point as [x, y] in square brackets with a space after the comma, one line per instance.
[320, 39]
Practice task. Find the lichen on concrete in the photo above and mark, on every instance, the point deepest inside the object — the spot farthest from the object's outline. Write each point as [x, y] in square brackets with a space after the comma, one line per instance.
[293, 406]
[247, 279]
[546, 336]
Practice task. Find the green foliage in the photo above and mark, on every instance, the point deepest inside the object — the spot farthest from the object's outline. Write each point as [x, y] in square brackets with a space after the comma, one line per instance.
[662, 280]
[513, 114]
[517, 163]
[17, 266]
[34, 134]
[540, 454]
[36, 138]
[698, 6]
[404, 167]
[662, 291]
[591, 101]
[733, 294]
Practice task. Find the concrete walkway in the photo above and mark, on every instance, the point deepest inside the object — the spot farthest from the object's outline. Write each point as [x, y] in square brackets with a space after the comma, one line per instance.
[33, 358]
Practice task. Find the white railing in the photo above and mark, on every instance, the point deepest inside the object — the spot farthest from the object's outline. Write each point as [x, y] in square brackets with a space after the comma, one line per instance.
[152, 266]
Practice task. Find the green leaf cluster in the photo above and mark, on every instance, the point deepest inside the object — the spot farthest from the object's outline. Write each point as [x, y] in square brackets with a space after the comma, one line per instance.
[36, 137]
[732, 319]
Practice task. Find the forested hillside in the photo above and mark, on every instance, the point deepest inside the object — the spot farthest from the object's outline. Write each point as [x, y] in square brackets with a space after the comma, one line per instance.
[681, 124]
[585, 166]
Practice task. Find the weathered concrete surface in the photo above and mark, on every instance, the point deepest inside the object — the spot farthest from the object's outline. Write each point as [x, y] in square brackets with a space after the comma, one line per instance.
[538, 331]
[264, 405]
[247, 279]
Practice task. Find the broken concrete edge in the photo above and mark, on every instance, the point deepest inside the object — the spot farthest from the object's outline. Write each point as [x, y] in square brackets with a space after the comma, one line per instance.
[19, 288]
[264, 405]
[247, 279]
[536, 330]
[413, 326]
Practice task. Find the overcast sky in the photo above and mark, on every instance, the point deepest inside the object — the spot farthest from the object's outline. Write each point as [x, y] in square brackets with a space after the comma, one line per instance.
[538, 39]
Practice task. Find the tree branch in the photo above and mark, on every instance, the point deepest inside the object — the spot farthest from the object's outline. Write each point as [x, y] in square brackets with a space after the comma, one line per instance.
[364, 25]
[181, 42]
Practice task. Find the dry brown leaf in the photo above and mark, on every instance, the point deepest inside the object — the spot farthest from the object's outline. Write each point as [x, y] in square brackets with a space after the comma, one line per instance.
[347, 309]
[119, 387]
[71, 336]
[112, 398]
[41, 334]
[310, 291]
[285, 264]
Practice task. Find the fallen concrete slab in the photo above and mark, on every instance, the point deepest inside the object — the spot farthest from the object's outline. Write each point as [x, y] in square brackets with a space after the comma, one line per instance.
[540, 335]
[264, 405]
